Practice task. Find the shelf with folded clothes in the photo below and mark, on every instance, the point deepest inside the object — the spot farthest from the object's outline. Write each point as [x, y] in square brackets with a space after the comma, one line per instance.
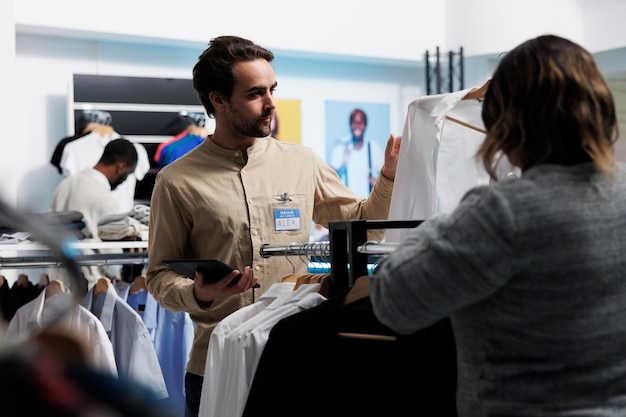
[35, 255]
[79, 245]
[122, 241]
[45, 261]
[131, 225]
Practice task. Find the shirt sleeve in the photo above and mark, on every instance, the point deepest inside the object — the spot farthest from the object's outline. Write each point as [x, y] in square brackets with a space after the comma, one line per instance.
[336, 202]
[167, 220]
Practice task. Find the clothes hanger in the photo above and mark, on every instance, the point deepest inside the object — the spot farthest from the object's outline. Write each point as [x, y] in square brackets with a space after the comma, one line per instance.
[97, 116]
[469, 125]
[194, 118]
[102, 130]
[289, 278]
[139, 283]
[302, 279]
[55, 287]
[22, 280]
[44, 279]
[359, 290]
[287, 251]
[102, 286]
[367, 336]
[197, 131]
[475, 94]
[324, 281]
[478, 93]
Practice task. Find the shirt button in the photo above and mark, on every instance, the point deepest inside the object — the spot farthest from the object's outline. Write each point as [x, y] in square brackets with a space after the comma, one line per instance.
[257, 268]
[250, 202]
[243, 171]
[254, 232]
[236, 153]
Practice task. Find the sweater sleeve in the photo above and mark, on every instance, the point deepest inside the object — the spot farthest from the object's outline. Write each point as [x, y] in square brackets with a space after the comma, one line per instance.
[448, 262]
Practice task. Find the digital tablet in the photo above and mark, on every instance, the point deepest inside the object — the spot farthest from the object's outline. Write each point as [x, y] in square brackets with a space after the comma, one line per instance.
[212, 269]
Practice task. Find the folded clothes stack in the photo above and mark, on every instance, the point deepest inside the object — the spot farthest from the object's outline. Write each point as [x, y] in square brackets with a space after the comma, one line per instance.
[124, 226]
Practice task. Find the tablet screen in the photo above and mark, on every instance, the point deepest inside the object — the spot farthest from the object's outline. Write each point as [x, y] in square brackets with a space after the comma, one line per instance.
[212, 269]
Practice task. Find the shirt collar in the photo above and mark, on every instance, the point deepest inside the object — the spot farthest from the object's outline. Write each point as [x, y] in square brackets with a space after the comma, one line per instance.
[98, 176]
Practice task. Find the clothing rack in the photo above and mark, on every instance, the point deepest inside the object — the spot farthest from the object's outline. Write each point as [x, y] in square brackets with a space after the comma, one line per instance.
[348, 248]
[308, 249]
[84, 260]
[144, 110]
[195, 118]
[34, 255]
[372, 247]
[347, 262]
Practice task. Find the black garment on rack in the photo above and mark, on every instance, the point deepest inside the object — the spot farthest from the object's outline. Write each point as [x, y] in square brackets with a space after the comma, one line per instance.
[23, 294]
[316, 372]
[58, 150]
[8, 302]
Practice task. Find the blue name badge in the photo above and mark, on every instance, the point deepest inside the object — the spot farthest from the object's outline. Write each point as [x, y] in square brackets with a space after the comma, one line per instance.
[287, 219]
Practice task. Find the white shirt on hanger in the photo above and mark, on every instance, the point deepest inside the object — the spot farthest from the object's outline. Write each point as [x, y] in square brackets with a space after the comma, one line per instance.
[437, 164]
[234, 351]
[134, 351]
[34, 315]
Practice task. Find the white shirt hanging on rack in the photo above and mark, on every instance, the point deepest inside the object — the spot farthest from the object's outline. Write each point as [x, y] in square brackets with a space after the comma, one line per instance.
[172, 336]
[237, 342]
[36, 314]
[85, 152]
[437, 164]
[134, 351]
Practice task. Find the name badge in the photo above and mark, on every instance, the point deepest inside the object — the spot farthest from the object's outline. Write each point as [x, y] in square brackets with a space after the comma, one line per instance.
[287, 219]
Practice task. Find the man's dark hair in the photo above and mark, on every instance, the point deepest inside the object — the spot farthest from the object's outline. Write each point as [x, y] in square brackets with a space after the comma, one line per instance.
[214, 69]
[119, 150]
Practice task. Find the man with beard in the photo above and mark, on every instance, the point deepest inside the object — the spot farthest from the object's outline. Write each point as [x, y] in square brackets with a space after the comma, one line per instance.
[238, 190]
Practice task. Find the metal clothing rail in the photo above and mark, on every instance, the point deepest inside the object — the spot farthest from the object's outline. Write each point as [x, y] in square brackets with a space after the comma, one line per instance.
[372, 247]
[26, 246]
[347, 262]
[37, 255]
[348, 249]
[100, 259]
[321, 249]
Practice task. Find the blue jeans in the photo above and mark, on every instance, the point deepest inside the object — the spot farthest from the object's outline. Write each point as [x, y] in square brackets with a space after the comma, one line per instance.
[193, 390]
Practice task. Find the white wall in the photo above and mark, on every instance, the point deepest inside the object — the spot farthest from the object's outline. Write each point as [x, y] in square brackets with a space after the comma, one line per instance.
[603, 24]
[495, 26]
[393, 29]
[326, 50]
[7, 85]
[400, 29]
[45, 64]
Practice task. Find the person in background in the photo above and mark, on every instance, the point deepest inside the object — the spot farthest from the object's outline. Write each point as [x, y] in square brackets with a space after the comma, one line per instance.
[530, 269]
[89, 192]
[356, 159]
[238, 190]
